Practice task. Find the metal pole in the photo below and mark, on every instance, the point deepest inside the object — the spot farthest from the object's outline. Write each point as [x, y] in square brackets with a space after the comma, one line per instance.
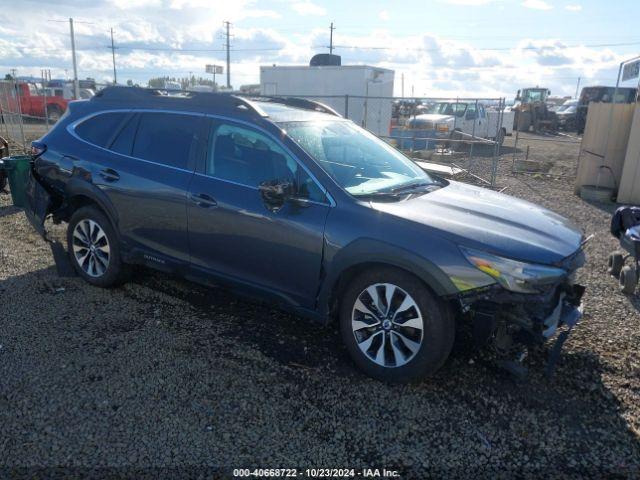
[113, 56]
[613, 106]
[473, 135]
[20, 124]
[496, 147]
[44, 96]
[577, 87]
[346, 106]
[515, 148]
[76, 86]
[331, 39]
[228, 57]
[366, 98]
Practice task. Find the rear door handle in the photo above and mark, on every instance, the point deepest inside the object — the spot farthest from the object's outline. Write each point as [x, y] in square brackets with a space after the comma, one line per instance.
[110, 175]
[203, 200]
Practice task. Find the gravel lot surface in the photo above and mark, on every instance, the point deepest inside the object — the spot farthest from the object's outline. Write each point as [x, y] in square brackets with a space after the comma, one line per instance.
[165, 373]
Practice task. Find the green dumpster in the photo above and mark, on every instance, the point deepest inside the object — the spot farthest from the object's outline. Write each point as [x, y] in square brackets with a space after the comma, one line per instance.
[17, 170]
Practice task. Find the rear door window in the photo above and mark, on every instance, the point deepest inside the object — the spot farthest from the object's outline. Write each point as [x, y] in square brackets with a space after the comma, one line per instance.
[102, 128]
[167, 138]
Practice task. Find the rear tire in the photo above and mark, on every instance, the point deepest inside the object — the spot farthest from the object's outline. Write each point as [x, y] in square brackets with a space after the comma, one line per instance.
[53, 114]
[628, 280]
[93, 248]
[377, 333]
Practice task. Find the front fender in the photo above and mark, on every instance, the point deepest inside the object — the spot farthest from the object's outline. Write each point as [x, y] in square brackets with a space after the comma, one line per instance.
[365, 251]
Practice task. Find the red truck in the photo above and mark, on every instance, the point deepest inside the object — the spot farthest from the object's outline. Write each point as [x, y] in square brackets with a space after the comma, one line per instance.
[32, 101]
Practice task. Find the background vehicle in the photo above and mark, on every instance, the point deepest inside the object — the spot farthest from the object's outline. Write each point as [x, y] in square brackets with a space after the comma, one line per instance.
[32, 101]
[600, 94]
[532, 111]
[326, 219]
[451, 118]
[566, 114]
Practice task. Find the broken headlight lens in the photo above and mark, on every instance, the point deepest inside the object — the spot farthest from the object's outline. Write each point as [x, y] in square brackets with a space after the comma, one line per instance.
[513, 275]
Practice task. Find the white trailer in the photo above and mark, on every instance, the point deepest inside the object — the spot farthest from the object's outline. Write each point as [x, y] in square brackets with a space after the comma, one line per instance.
[343, 88]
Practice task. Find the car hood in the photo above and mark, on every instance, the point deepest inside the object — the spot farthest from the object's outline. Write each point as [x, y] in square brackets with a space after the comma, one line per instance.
[497, 223]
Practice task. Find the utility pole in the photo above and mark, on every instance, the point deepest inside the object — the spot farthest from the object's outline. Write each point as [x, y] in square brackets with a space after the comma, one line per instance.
[113, 56]
[76, 85]
[578, 87]
[228, 45]
[331, 29]
[402, 85]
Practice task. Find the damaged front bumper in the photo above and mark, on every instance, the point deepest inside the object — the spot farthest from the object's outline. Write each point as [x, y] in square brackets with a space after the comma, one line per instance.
[510, 323]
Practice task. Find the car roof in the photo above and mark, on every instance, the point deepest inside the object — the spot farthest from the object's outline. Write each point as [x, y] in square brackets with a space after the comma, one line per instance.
[274, 109]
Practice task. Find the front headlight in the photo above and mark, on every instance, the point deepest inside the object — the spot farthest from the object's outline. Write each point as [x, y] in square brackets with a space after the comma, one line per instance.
[442, 127]
[513, 275]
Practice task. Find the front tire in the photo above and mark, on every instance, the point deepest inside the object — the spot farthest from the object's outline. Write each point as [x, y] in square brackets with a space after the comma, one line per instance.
[628, 280]
[93, 248]
[394, 328]
[616, 262]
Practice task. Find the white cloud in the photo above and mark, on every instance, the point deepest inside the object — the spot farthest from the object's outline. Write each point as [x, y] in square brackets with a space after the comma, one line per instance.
[573, 8]
[537, 4]
[434, 65]
[384, 15]
[472, 3]
[309, 8]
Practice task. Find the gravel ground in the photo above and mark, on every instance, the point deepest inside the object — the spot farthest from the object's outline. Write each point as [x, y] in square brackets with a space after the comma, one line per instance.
[165, 373]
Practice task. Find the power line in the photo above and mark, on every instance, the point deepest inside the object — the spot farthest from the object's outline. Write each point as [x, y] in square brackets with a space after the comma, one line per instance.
[187, 50]
[546, 47]
[360, 47]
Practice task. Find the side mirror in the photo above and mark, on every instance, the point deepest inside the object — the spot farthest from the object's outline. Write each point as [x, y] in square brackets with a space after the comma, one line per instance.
[275, 193]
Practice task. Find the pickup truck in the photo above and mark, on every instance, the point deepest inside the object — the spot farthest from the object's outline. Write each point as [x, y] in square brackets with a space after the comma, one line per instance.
[32, 101]
[446, 120]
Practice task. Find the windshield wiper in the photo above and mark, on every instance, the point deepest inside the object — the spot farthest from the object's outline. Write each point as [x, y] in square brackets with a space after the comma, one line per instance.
[411, 186]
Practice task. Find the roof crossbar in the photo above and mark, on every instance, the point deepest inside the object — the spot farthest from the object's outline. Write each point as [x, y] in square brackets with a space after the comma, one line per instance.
[298, 102]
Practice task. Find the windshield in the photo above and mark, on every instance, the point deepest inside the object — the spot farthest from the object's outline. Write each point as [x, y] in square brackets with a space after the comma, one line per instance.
[357, 160]
[531, 96]
[571, 108]
[448, 108]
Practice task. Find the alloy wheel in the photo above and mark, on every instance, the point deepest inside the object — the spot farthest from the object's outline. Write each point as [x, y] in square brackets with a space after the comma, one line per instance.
[91, 248]
[387, 325]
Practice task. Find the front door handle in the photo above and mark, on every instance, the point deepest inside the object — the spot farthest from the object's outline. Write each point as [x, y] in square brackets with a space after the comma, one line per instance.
[110, 175]
[203, 200]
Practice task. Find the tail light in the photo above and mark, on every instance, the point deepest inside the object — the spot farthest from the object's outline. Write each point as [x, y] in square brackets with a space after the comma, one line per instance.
[37, 149]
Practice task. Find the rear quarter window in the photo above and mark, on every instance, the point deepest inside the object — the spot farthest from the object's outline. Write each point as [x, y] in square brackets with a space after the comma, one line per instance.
[101, 128]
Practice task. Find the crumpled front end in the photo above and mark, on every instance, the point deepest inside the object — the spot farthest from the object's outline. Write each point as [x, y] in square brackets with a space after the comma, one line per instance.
[511, 322]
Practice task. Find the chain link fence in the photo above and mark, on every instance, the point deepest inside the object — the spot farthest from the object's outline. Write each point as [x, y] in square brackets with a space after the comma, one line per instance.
[459, 137]
[449, 137]
[29, 108]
